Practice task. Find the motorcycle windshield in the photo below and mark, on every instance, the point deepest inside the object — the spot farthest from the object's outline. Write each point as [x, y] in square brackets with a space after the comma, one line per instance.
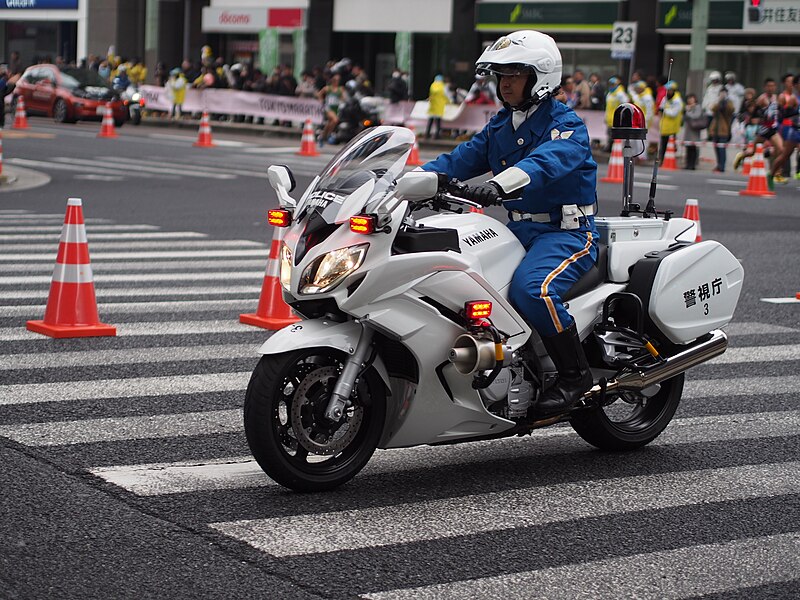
[376, 156]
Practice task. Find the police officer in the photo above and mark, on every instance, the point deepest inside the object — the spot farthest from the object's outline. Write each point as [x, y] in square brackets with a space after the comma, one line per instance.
[539, 153]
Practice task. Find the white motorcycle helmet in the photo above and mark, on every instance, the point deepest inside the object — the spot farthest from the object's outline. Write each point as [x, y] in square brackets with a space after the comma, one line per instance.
[715, 77]
[532, 51]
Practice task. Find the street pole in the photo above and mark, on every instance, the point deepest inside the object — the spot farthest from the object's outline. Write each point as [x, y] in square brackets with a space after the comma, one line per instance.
[151, 35]
[697, 53]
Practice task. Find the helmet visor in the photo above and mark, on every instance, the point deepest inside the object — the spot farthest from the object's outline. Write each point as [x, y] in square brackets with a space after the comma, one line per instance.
[513, 70]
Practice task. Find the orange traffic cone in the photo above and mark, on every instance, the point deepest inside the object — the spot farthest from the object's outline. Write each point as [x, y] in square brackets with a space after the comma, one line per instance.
[20, 118]
[204, 134]
[692, 212]
[670, 163]
[615, 164]
[757, 184]
[748, 161]
[71, 307]
[308, 145]
[107, 128]
[413, 157]
[272, 312]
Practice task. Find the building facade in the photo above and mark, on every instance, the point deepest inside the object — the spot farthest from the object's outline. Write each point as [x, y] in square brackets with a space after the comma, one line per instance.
[423, 37]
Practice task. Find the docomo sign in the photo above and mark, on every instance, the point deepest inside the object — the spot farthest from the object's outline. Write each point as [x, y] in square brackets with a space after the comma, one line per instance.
[233, 20]
[250, 20]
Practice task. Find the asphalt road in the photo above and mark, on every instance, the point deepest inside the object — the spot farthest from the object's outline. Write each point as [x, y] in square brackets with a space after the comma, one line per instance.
[126, 473]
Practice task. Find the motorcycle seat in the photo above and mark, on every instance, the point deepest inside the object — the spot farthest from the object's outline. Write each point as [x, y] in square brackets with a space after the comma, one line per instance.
[593, 277]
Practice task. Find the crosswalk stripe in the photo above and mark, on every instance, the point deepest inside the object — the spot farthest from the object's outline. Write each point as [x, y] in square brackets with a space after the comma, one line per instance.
[182, 170]
[424, 521]
[54, 166]
[163, 386]
[139, 266]
[122, 388]
[748, 328]
[242, 471]
[149, 292]
[127, 428]
[147, 163]
[46, 219]
[183, 353]
[191, 254]
[10, 334]
[122, 245]
[101, 277]
[126, 356]
[92, 229]
[722, 567]
[758, 354]
[185, 306]
[121, 235]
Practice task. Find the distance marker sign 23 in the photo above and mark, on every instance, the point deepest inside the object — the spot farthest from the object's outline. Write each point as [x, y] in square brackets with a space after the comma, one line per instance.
[623, 39]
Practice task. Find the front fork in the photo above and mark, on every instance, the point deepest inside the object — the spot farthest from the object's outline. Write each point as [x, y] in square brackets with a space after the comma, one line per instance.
[340, 397]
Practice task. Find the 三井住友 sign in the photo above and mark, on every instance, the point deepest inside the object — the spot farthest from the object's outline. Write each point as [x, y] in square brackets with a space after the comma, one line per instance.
[41, 4]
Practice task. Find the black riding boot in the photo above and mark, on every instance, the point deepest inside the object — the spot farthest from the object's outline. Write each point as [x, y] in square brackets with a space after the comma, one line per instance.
[574, 376]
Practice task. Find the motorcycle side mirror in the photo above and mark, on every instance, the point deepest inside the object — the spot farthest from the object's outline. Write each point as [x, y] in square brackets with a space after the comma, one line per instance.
[417, 185]
[282, 181]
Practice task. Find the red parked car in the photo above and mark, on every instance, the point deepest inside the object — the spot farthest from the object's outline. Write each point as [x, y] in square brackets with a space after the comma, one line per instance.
[68, 94]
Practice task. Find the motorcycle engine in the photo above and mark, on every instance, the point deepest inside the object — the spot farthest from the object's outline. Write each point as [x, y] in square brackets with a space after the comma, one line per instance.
[509, 395]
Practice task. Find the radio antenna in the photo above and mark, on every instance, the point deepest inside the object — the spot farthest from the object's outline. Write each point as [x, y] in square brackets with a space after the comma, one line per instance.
[651, 201]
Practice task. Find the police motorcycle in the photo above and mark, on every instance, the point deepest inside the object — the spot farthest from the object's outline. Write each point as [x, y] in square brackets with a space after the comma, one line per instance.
[407, 336]
[134, 101]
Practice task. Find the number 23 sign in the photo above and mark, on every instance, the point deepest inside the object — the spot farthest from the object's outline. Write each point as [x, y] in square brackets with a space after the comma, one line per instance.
[623, 39]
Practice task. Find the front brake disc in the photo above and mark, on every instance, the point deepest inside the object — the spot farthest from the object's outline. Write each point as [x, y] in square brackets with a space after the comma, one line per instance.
[313, 431]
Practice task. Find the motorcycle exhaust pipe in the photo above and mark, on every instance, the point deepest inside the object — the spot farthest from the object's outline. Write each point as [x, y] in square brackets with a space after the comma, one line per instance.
[470, 354]
[674, 365]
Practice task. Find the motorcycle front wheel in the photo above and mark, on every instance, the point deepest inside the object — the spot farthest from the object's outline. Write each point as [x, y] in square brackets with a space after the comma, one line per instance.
[286, 429]
[630, 420]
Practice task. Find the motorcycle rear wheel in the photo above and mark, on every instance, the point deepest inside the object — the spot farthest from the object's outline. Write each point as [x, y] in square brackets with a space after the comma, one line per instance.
[287, 434]
[630, 423]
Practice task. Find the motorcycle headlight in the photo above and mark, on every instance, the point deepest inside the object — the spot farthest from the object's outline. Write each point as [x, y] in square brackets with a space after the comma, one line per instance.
[136, 97]
[329, 270]
[286, 267]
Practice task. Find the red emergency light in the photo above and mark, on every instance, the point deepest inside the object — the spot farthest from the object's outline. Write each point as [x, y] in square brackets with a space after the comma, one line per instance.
[364, 224]
[279, 217]
[477, 310]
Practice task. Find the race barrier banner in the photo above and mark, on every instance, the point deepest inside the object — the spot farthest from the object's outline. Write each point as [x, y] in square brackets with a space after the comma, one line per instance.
[459, 117]
[233, 102]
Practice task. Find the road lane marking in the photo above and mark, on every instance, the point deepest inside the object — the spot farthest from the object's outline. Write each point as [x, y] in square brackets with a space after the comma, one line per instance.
[128, 356]
[185, 171]
[218, 142]
[45, 218]
[95, 177]
[135, 329]
[238, 472]
[89, 228]
[137, 267]
[733, 182]
[781, 300]
[121, 235]
[661, 186]
[185, 306]
[154, 245]
[715, 569]
[142, 277]
[24, 162]
[190, 254]
[282, 150]
[728, 193]
[148, 292]
[405, 523]
[229, 171]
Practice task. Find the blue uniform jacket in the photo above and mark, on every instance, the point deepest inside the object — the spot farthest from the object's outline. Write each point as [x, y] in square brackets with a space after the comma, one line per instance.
[552, 146]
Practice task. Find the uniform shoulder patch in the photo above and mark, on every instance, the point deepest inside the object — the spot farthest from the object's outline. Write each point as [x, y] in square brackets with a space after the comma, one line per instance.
[555, 134]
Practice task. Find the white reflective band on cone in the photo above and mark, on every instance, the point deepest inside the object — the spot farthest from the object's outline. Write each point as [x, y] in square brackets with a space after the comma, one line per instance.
[73, 234]
[273, 267]
[74, 202]
[72, 273]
